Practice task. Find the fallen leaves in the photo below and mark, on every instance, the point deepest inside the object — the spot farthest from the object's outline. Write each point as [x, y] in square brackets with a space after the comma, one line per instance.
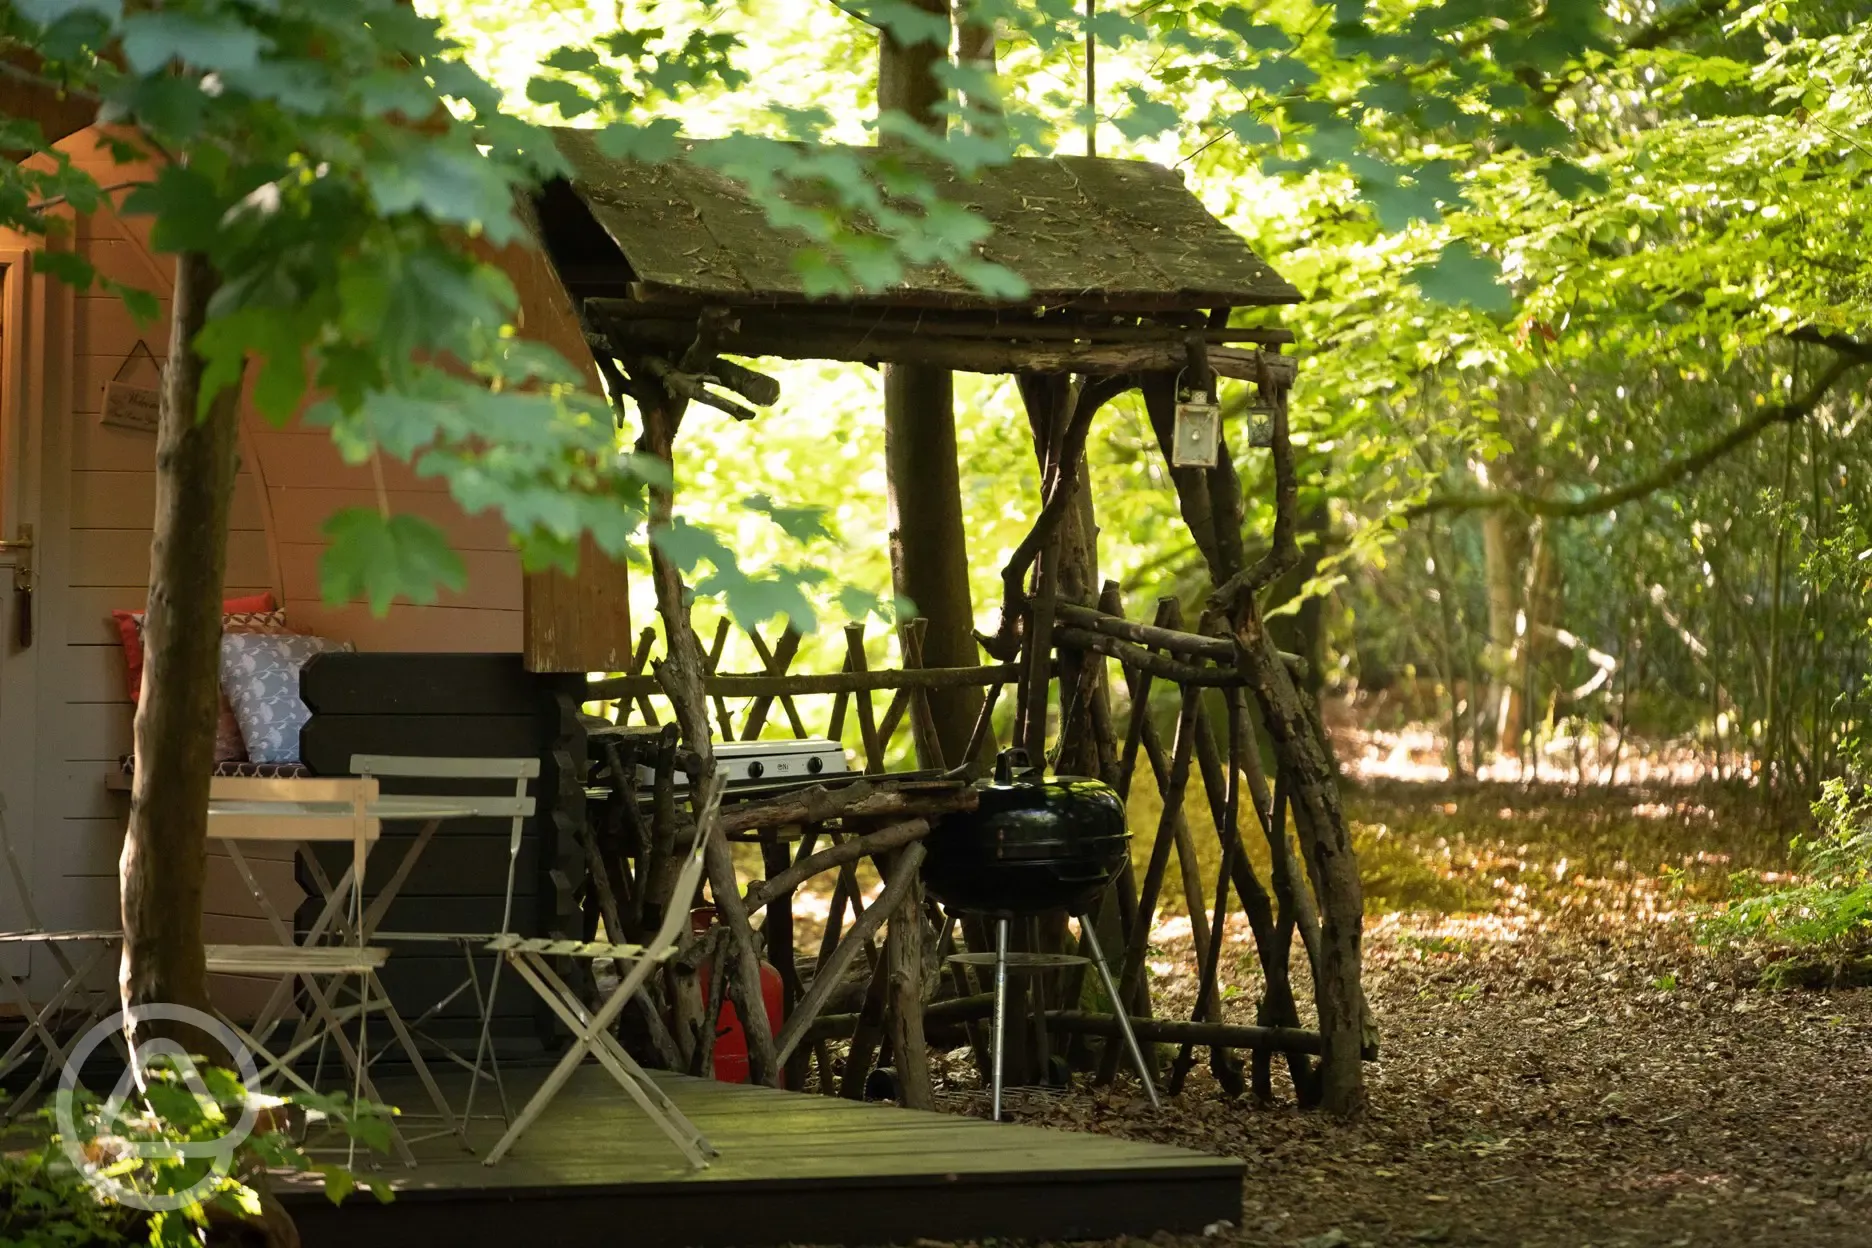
[1563, 1064]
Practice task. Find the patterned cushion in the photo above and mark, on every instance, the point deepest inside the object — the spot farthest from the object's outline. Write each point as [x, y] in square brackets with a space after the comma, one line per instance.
[230, 747]
[130, 632]
[260, 674]
[242, 768]
[254, 614]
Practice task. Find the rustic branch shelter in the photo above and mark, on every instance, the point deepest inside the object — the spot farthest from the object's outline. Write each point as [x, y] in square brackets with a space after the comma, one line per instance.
[666, 287]
[676, 273]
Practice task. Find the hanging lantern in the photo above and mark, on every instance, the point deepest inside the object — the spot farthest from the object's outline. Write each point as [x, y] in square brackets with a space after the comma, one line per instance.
[1197, 432]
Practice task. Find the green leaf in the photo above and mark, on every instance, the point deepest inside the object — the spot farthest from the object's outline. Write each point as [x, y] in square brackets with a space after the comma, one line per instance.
[688, 545]
[569, 98]
[855, 604]
[571, 60]
[67, 266]
[370, 1127]
[1570, 181]
[1537, 134]
[152, 40]
[297, 86]
[802, 524]
[379, 558]
[46, 12]
[1261, 38]
[1401, 203]
[187, 206]
[1148, 117]
[222, 1084]
[628, 44]
[170, 106]
[993, 280]
[452, 183]
[752, 600]
[651, 143]
[338, 1183]
[908, 24]
[1460, 276]
[1249, 128]
[1111, 27]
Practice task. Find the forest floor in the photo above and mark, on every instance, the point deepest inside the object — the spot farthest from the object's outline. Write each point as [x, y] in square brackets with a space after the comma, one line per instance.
[1563, 1063]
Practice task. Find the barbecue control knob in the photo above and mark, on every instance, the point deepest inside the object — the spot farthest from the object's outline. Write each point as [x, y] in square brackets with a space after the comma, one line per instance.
[754, 769]
[815, 765]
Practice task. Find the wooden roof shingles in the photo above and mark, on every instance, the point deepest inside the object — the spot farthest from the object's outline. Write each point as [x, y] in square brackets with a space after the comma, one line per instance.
[1118, 235]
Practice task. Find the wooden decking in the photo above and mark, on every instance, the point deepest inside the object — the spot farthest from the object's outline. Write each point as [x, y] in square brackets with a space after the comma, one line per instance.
[794, 1169]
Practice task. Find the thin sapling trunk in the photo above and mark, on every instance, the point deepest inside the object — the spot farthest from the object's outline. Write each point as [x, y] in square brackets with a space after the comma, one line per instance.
[165, 850]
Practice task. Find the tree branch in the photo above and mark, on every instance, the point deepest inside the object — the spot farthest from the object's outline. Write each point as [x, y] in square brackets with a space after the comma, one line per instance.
[1284, 550]
[1096, 392]
[1666, 27]
[1841, 343]
[1666, 475]
[854, 12]
[1674, 24]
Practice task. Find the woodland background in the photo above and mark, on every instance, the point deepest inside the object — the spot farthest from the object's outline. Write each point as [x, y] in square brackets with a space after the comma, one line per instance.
[1577, 485]
[1583, 399]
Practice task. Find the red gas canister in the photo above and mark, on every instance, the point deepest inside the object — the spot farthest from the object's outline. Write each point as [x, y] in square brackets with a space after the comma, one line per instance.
[731, 1058]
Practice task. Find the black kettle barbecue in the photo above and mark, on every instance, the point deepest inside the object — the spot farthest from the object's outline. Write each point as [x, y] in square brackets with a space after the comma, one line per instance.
[1031, 845]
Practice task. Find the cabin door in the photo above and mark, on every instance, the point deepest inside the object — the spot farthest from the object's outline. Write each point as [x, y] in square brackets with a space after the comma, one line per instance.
[20, 437]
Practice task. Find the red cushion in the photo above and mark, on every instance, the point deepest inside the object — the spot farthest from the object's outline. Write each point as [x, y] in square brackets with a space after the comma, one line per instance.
[132, 635]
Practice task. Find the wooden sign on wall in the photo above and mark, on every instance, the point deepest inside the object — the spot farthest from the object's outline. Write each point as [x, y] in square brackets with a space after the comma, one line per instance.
[130, 406]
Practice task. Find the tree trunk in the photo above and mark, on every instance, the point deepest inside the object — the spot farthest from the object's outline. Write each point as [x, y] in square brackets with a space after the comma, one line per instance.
[975, 50]
[681, 673]
[1540, 652]
[903, 954]
[1500, 556]
[929, 552]
[1447, 647]
[1303, 631]
[165, 850]
[1771, 752]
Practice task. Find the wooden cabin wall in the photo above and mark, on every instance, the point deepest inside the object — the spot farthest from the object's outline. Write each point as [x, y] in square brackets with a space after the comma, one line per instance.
[96, 498]
[97, 491]
[305, 481]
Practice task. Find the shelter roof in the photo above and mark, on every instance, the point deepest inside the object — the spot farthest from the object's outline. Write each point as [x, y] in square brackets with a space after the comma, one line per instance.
[1120, 236]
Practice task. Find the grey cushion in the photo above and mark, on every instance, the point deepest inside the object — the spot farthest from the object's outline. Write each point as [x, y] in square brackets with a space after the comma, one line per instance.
[260, 675]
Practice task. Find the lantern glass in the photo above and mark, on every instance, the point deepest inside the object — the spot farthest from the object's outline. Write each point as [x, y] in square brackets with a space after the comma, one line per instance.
[1197, 432]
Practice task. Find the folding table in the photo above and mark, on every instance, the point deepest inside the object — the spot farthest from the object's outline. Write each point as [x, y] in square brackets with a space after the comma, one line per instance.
[233, 803]
[301, 811]
[433, 810]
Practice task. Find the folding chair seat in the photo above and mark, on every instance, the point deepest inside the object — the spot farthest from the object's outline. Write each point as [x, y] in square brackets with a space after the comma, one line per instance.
[72, 996]
[591, 1033]
[591, 1029]
[303, 811]
[313, 967]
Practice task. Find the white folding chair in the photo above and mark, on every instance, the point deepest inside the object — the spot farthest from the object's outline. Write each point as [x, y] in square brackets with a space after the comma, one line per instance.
[433, 809]
[591, 1031]
[76, 974]
[301, 811]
